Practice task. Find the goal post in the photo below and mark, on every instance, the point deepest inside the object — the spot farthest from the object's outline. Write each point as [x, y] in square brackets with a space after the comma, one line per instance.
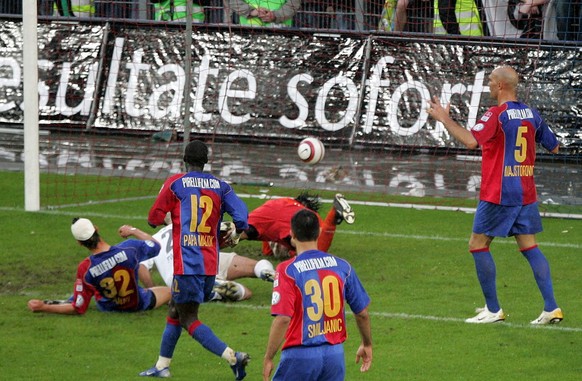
[31, 119]
[188, 72]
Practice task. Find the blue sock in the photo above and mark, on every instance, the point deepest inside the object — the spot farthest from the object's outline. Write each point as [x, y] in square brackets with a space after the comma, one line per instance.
[204, 335]
[170, 338]
[486, 273]
[541, 271]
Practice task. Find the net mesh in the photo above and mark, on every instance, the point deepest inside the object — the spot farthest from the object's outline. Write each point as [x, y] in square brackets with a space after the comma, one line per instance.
[355, 74]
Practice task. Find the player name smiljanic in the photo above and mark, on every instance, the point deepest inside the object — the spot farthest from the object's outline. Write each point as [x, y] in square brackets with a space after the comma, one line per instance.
[325, 327]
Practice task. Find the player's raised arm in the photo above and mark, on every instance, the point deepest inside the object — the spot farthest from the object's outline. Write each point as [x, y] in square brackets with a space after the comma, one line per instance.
[441, 114]
[126, 231]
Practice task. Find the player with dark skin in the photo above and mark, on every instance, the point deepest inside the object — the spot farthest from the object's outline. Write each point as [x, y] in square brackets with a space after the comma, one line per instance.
[196, 201]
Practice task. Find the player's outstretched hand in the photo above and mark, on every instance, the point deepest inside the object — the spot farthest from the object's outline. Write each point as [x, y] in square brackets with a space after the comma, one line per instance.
[35, 305]
[436, 110]
[168, 219]
[267, 369]
[364, 353]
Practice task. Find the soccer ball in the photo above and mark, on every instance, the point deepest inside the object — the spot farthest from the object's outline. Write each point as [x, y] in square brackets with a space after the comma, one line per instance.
[311, 150]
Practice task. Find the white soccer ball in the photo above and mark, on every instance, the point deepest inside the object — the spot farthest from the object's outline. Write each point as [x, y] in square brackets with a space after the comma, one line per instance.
[311, 150]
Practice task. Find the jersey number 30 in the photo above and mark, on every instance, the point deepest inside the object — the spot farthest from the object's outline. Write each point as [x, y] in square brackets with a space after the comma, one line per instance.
[325, 297]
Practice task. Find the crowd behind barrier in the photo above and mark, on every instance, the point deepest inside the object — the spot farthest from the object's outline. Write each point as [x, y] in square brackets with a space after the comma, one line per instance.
[127, 76]
[534, 19]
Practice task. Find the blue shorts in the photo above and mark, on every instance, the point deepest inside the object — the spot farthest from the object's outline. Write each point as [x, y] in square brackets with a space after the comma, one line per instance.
[504, 221]
[192, 288]
[321, 363]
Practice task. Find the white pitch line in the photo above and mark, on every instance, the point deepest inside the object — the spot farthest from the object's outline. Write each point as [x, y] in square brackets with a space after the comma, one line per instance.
[350, 232]
[405, 316]
[470, 210]
[440, 238]
[458, 320]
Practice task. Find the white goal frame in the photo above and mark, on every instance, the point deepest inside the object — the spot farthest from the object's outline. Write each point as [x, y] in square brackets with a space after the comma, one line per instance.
[30, 92]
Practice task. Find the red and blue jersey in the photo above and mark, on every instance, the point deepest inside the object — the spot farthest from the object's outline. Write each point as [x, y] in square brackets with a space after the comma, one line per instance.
[312, 289]
[197, 202]
[508, 135]
[111, 277]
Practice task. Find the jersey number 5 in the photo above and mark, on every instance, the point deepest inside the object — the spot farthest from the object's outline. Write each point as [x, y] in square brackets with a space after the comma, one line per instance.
[520, 144]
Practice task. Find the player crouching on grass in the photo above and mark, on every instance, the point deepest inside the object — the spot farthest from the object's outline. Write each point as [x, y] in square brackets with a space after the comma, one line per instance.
[109, 274]
[271, 222]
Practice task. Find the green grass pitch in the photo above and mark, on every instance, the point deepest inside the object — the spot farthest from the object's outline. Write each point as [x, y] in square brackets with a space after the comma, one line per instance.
[414, 264]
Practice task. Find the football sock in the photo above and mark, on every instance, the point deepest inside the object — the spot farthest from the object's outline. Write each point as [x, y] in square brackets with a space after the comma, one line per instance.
[541, 271]
[229, 356]
[261, 265]
[170, 338]
[204, 335]
[327, 231]
[486, 274]
[266, 249]
[163, 362]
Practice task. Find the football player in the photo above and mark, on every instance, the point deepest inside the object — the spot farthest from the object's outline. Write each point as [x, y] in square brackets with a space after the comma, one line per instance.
[271, 222]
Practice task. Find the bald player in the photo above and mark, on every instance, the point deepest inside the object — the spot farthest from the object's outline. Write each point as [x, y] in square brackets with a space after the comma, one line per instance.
[507, 134]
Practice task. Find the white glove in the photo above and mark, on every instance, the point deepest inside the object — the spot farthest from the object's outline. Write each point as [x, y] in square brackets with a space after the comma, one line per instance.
[228, 235]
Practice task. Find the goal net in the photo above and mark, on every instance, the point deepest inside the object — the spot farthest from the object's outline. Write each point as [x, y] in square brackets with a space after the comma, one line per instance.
[117, 95]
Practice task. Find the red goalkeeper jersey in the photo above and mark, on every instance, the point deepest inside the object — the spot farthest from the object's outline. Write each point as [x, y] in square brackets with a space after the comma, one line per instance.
[273, 219]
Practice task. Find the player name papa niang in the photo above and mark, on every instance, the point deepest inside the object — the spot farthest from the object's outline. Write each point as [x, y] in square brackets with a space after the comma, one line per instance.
[519, 170]
[201, 240]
